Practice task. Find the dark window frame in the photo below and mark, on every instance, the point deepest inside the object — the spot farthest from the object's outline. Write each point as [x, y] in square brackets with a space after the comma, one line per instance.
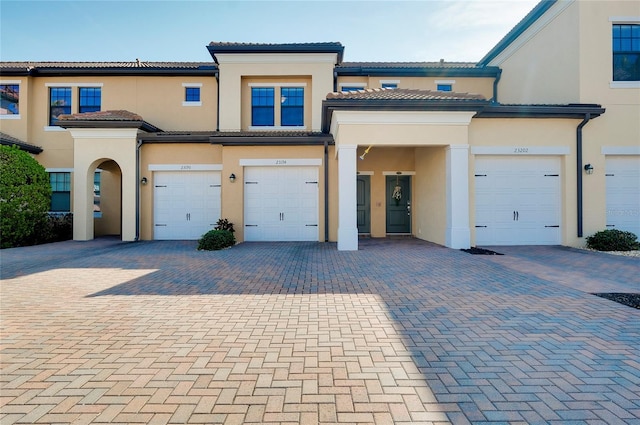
[262, 106]
[60, 191]
[192, 94]
[59, 103]
[10, 98]
[89, 99]
[292, 106]
[626, 52]
[444, 87]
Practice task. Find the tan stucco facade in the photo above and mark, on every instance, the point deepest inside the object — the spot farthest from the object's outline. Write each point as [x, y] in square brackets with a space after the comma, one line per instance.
[562, 58]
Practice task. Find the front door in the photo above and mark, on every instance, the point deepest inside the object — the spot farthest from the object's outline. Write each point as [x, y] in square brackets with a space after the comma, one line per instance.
[364, 204]
[398, 199]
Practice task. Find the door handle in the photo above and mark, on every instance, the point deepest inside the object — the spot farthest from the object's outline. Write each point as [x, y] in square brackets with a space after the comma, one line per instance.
[517, 215]
[514, 216]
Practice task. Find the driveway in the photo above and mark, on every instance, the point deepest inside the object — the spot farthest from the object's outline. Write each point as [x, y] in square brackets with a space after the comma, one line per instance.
[401, 331]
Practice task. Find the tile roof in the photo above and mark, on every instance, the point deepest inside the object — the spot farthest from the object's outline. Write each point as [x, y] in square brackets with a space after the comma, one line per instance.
[217, 47]
[101, 65]
[268, 133]
[120, 115]
[327, 44]
[403, 94]
[411, 65]
[8, 140]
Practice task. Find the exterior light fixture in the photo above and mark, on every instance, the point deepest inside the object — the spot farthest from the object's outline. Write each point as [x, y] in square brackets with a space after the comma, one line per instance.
[232, 178]
[588, 169]
[365, 152]
[144, 181]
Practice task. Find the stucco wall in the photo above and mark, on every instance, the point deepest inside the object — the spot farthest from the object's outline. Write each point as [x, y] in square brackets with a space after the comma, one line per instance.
[430, 209]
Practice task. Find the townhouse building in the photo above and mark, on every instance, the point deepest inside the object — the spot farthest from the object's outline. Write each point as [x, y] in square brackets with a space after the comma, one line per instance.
[537, 143]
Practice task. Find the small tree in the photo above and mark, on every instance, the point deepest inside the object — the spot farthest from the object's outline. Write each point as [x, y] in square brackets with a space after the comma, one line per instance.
[25, 196]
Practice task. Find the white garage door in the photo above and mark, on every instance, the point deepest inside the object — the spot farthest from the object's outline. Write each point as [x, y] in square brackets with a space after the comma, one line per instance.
[186, 203]
[517, 200]
[281, 203]
[623, 193]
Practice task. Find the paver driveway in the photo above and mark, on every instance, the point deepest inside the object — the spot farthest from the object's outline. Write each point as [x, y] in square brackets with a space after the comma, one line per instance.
[402, 331]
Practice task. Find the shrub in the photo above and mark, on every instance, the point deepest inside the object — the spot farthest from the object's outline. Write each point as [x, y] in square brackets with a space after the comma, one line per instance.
[216, 239]
[56, 228]
[613, 240]
[224, 224]
[25, 195]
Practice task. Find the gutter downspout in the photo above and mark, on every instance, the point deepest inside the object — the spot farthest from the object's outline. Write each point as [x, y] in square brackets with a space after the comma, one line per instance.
[326, 191]
[584, 122]
[138, 146]
[495, 86]
[217, 101]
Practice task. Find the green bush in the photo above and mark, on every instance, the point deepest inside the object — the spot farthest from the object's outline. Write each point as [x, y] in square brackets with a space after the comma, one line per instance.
[613, 240]
[216, 239]
[56, 228]
[224, 224]
[25, 195]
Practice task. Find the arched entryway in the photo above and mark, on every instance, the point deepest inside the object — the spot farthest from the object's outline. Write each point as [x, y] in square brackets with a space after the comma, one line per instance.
[107, 198]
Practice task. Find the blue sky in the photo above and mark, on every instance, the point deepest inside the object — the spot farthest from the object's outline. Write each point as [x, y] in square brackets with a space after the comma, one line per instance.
[426, 30]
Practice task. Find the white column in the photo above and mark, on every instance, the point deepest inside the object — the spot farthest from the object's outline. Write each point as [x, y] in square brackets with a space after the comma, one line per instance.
[82, 202]
[458, 234]
[347, 205]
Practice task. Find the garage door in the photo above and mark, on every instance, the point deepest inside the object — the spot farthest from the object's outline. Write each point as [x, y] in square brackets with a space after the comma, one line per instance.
[281, 203]
[186, 204]
[623, 193]
[517, 200]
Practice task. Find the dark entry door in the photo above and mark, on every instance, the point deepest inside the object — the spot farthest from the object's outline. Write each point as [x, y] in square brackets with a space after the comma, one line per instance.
[364, 204]
[398, 199]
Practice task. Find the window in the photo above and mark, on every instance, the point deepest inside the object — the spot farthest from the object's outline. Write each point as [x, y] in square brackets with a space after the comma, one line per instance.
[444, 87]
[90, 99]
[97, 212]
[9, 99]
[626, 52]
[351, 88]
[389, 85]
[192, 94]
[262, 106]
[292, 106]
[60, 103]
[60, 192]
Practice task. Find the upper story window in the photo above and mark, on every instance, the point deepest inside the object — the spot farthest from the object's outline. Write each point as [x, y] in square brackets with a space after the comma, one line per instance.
[292, 106]
[192, 94]
[262, 106]
[90, 99]
[444, 87]
[389, 84]
[60, 103]
[9, 99]
[626, 52]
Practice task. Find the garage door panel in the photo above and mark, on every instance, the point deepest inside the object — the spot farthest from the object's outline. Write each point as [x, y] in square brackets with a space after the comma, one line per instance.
[623, 193]
[186, 204]
[515, 199]
[282, 205]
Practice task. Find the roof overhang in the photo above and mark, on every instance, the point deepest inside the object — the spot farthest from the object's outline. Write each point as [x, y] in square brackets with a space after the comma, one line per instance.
[7, 140]
[251, 138]
[295, 48]
[572, 110]
[391, 71]
[142, 125]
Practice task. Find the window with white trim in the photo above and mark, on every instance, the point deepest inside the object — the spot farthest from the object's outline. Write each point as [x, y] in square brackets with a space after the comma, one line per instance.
[283, 102]
[60, 191]
[626, 52]
[9, 99]
[192, 93]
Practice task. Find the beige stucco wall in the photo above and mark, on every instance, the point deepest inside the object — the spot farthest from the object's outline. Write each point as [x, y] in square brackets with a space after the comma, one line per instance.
[110, 200]
[171, 153]
[483, 86]
[318, 68]
[545, 68]
[429, 187]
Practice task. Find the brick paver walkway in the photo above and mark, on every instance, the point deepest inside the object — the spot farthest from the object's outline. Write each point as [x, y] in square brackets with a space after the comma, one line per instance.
[402, 331]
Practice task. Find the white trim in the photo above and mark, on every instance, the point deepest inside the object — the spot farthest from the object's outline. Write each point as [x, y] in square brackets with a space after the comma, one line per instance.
[364, 173]
[277, 84]
[624, 19]
[276, 128]
[10, 117]
[12, 82]
[354, 85]
[520, 150]
[104, 133]
[185, 167]
[59, 170]
[401, 173]
[187, 103]
[277, 58]
[621, 150]
[624, 84]
[74, 84]
[54, 128]
[389, 81]
[191, 84]
[452, 82]
[531, 32]
[280, 162]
